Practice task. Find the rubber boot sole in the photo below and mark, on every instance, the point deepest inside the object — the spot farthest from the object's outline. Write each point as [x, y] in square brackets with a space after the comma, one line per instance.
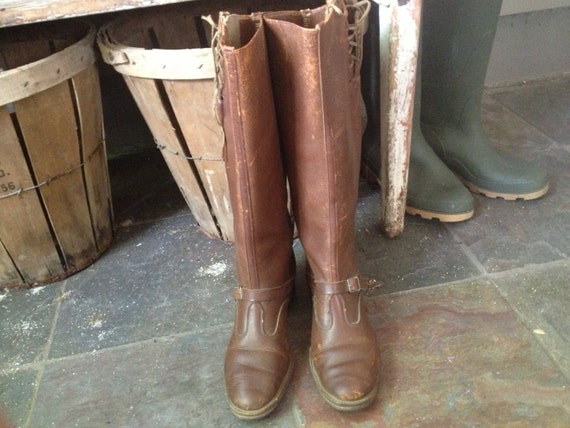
[251, 415]
[369, 175]
[443, 217]
[506, 196]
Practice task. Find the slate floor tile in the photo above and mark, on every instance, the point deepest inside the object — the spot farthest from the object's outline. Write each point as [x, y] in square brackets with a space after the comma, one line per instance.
[548, 110]
[17, 389]
[167, 278]
[171, 381]
[452, 355]
[541, 297]
[425, 254]
[26, 320]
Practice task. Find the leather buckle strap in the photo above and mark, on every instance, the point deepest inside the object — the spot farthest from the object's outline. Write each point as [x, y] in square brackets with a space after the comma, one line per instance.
[349, 285]
[263, 294]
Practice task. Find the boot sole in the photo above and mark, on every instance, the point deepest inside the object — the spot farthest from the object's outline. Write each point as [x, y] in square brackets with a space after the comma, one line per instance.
[372, 178]
[251, 415]
[443, 217]
[506, 196]
[337, 404]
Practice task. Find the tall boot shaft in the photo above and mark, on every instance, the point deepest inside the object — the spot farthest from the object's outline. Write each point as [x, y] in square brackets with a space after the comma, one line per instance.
[316, 86]
[457, 42]
[263, 230]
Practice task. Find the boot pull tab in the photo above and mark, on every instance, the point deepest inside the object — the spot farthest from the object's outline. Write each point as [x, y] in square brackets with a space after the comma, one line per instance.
[307, 16]
[332, 4]
[256, 17]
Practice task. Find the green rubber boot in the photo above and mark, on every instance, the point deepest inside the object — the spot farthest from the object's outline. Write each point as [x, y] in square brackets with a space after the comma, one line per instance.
[457, 41]
[434, 192]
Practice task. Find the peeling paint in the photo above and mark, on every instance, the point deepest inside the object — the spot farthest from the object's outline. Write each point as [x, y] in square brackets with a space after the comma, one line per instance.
[399, 41]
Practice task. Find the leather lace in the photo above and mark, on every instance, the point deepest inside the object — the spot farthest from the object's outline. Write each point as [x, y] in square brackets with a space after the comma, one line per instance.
[358, 11]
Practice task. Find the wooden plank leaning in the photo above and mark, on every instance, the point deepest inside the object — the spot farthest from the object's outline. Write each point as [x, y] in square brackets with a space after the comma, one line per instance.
[399, 40]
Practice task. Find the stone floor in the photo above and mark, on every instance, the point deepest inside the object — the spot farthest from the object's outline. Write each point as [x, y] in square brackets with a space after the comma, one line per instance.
[472, 318]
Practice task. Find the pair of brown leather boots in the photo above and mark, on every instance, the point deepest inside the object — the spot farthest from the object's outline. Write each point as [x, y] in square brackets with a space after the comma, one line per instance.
[289, 101]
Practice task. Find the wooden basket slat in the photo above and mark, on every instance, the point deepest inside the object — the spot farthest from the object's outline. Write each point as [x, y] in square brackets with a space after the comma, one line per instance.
[148, 99]
[168, 32]
[59, 44]
[18, 54]
[94, 154]
[8, 273]
[132, 35]
[204, 138]
[50, 134]
[24, 231]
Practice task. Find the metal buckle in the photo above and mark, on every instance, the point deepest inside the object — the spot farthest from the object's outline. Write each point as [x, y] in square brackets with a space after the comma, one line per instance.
[353, 285]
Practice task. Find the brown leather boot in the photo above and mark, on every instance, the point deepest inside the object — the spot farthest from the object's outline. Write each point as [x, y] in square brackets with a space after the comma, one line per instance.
[315, 72]
[258, 364]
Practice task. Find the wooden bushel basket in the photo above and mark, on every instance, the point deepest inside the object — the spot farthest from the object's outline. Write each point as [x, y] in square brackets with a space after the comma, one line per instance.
[168, 66]
[55, 204]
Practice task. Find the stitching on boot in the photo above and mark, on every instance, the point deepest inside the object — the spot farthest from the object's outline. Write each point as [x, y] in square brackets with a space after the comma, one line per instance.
[324, 320]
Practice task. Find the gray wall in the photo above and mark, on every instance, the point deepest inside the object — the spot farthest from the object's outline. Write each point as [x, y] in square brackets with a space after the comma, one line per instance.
[521, 6]
[530, 45]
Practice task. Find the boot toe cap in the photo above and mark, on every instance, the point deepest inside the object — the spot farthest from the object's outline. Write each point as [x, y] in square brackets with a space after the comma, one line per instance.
[448, 203]
[254, 389]
[433, 190]
[249, 397]
[443, 199]
[345, 386]
[349, 388]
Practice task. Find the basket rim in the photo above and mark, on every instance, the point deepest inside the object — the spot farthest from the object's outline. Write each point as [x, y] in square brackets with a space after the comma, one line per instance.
[29, 79]
[156, 63]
